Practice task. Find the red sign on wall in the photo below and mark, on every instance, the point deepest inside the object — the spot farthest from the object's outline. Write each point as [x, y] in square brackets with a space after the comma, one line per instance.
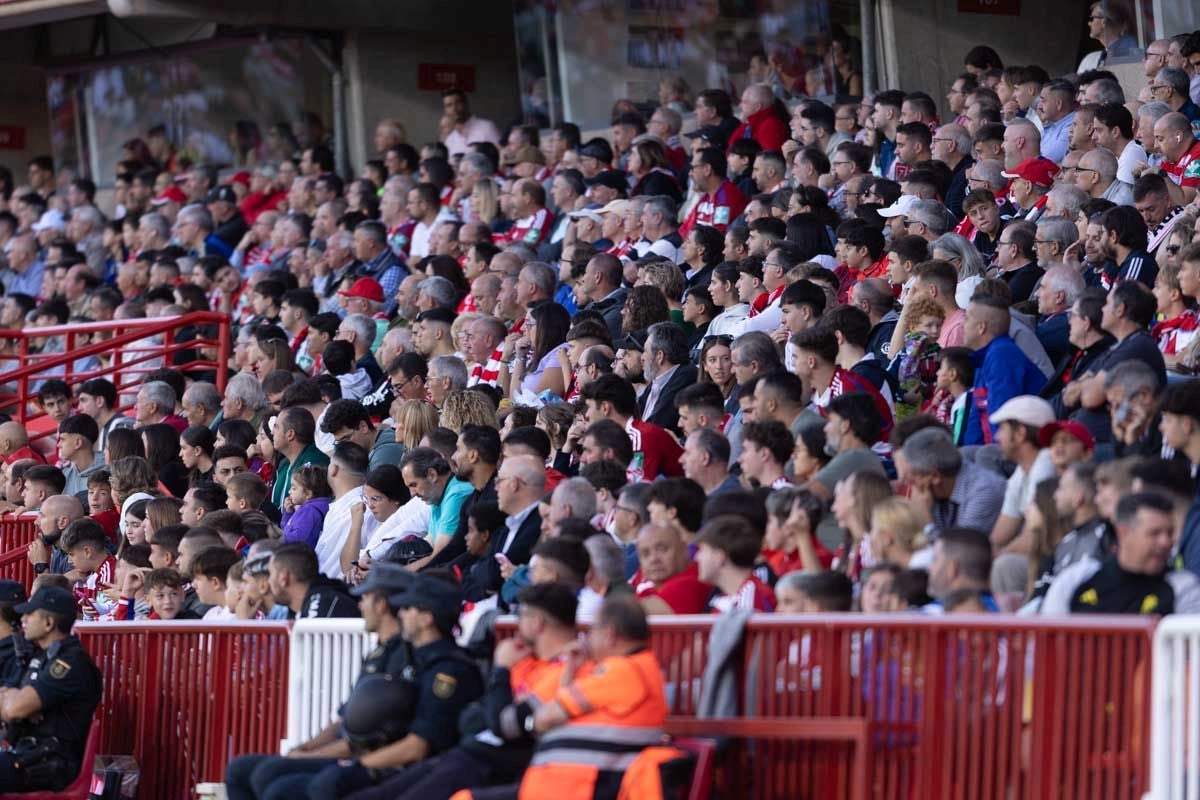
[12, 137]
[439, 77]
[1010, 7]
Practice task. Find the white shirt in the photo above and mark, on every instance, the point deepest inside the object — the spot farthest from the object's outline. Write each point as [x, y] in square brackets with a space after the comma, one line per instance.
[219, 614]
[412, 517]
[1132, 155]
[656, 387]
[729, 322]
[514, 524]
[335, 531]
[475, 129]
[767, 320]
[1019, 491]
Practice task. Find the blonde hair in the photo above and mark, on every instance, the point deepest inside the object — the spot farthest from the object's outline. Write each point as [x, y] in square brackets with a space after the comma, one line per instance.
[467, 407]
[488, 198]
[460, 322]
[414, 419]
[665, 276]
[899, 517]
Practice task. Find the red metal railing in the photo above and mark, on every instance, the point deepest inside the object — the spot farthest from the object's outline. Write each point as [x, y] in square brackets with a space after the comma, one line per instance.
[186, 697]
[16, 532]
[958, 707]
[128, 349]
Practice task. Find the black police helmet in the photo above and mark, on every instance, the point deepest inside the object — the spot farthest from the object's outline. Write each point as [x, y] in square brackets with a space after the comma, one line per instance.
[379, 711]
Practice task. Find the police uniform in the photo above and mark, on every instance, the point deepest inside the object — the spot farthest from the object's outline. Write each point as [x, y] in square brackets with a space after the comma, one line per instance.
[447, 681]
[15, 652]
[271, 776]
[46, 752]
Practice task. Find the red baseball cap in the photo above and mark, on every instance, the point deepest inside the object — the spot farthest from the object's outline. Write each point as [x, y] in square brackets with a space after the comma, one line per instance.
[1076, 429]
[242, 177]
[171, 194]
[366, 288]
[1038, 171]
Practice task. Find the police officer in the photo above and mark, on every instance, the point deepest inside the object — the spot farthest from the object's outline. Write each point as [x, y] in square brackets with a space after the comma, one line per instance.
[49, 716]
[15, 651]
[378, 710]
[447, 680]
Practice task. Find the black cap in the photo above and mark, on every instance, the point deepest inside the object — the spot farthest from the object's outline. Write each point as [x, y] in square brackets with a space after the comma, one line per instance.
[430, 594]
[713, 134]
[634, 340]
[385, 578]
[222, 194]
[437, 314]
[612, 178]
[52, 599]
[12, 592]
[409, 549]
[597, 149]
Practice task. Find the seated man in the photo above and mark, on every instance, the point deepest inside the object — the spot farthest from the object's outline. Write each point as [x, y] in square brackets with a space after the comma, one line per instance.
[50, 715]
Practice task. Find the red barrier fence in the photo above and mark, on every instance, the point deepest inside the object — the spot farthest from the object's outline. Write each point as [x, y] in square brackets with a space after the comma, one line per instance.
[127, 349]
[16, 532]
[186, 697]
[958, 707]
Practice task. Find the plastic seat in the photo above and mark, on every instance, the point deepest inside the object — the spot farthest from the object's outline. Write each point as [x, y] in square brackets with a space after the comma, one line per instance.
[78, 788]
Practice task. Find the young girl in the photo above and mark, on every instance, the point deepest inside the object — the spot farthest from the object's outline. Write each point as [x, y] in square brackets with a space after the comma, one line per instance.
[195, 450]
[133, 520]
[1178, 320]
[306, 504]
[916, 365]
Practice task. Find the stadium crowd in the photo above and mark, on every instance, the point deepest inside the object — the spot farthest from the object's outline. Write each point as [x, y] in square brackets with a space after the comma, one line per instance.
[757, 353]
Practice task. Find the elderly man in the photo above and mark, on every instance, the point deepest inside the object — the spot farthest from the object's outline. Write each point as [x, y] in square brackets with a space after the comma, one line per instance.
[194, 230]
[1054, 236]
[956, 492]
[1060, 287]
[760, 121]
[447, 373]
[1096, 174]
[156, 403]
[951, 145]
[667, 368]
[360, 330]
[244, 399]
[1174, 140]
[202, 404]
[1031, 180]
[25, 270]
[377, 259]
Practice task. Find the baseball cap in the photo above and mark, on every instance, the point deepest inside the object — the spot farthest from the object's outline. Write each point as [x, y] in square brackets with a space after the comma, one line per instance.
[366, 288]
[597, 149]
[171, 194]
[222, 194]
[50, 219]
[528, 153]
[242, 177]
[1038, 171]
[52, 599]
[1026, 409]
[1076, 429]
[634, 340]
[385, 578]
[612, 178]
[430, 594]
[592, 213]
[901, 207]
[12, 592]
[711, 134]
[617, 206]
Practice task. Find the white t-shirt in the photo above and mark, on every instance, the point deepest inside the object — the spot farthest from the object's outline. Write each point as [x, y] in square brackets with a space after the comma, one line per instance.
[1021, 485]
[1131, 156]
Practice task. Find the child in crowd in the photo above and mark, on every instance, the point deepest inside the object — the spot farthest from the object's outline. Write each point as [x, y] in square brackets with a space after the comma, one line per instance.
[54, 398]
[306, 505]
[915, 367]
[790, 542]
[135, 523]
[728, 547]
[228, 526]
[165, 589]
[100, 503]
[210, 568]
[814, 592]
[245, 492]
[129, 589]
[164, 546]
[955, 377]
[86, 545]
[339, 362]
[1179, 323]
[235, 582]
[879, 590]
[482, 520]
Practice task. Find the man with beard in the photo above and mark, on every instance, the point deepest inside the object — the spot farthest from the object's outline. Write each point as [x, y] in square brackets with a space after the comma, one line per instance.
[474, 461]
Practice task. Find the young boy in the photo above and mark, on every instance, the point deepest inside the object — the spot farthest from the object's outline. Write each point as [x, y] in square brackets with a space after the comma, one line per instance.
[41, 481]
[228, 525]
[164, 546]
[100, 503]
[245, 492]
[728, 547]
[339, 362]
[131, 600]
[266, 297]
[76, 447]
[792, 518]
[165, 588]
[814, 592]
[234, 586]
[955, 377]
[54, 398]
[209, 570]
[92, 566]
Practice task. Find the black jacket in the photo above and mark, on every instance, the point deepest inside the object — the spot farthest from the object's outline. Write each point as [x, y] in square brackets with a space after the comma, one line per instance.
[484, 578]
[328, 598]
[665, 414]
[610, 309]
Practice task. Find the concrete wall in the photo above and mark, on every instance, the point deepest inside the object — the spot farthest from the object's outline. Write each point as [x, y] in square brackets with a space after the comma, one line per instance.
[381, 70]
[1047, 33]
[23, 88]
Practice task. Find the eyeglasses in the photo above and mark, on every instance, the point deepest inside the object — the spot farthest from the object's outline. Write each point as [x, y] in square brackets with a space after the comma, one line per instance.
[843, 163]
[1154, 87]
[399, 387]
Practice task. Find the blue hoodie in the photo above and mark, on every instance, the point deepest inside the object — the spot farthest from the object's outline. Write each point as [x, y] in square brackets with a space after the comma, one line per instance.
[1002, 372]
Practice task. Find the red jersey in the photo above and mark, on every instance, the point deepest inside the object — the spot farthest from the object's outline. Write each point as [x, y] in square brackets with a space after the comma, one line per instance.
[531, 230]
[87, 591]
[753, 595]
[655, 452]
[717, 209]
[764, 127]
[782, 562]
[1185, 172]
[1173, 335]
[845, 382]
[684, 592]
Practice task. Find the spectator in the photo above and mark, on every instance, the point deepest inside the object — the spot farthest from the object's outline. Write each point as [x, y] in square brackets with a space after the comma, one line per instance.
[956, 492]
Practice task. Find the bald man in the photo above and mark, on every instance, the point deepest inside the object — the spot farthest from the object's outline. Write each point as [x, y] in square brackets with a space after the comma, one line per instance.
[14, 444]
[1181, 156]
[1022, 141]
[1096, 174]
[761, 124]
[667, 580]
[57, 512]
[520, 483]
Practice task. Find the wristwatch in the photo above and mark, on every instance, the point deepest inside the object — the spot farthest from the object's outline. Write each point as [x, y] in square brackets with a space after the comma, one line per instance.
[40, 567]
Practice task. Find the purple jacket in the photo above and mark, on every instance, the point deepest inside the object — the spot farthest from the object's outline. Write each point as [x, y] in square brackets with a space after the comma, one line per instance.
[305, 523]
